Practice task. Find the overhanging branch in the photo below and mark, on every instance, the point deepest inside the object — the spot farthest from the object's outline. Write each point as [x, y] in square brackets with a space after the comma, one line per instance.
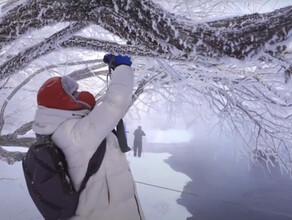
[145, 24]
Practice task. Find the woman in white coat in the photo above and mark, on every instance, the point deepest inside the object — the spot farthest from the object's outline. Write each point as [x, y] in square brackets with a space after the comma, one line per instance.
[78, 126]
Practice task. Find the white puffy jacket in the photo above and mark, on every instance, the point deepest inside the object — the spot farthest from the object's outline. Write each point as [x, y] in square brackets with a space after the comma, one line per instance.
[110, 194]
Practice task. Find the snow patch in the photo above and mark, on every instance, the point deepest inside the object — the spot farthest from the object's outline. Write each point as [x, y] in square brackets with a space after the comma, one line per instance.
[151, 169]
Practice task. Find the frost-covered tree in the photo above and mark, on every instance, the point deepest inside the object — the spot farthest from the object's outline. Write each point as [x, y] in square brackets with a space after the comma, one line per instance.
[238, 66]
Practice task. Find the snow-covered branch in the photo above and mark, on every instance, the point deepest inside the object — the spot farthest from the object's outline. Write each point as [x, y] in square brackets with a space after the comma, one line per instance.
[144, 24]
[11, 157]
[48, 45]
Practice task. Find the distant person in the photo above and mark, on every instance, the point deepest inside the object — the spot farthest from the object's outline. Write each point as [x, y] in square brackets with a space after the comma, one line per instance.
[138, 134]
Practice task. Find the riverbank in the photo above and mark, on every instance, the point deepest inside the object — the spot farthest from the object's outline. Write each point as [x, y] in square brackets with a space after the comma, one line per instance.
[223, 187]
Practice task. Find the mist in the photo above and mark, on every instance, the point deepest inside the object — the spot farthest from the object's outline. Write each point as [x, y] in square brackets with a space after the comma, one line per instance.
[224, 182]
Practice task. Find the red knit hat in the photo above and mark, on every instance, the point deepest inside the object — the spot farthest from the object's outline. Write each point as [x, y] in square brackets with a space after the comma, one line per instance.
[57, 92]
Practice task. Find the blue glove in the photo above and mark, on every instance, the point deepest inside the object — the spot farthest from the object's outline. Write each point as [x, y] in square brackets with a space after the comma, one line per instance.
[114, 61]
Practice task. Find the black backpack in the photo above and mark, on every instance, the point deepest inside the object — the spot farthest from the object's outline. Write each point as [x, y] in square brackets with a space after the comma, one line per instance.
[47, 178]
[48, 182]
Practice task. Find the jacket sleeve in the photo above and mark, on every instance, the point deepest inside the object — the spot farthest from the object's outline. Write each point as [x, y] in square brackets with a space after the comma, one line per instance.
[92, 129]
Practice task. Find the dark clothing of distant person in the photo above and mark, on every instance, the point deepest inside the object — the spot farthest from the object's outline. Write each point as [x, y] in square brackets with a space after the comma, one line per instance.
[138, 134]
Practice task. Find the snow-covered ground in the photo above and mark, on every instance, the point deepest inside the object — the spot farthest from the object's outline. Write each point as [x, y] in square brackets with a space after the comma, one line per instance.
[150, 171]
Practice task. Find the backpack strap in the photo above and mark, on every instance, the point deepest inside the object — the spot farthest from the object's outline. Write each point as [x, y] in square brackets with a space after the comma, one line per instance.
[94, 164]
[121, 135]
[97, 157]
